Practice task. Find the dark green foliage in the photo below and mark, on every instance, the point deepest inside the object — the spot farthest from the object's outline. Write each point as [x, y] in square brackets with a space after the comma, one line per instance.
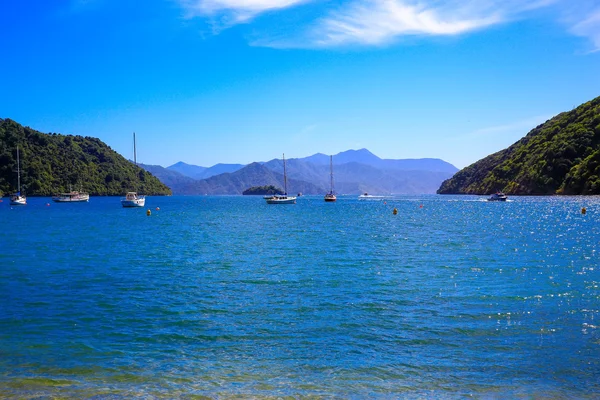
[262, 190]
[52, 163]
[561, 156]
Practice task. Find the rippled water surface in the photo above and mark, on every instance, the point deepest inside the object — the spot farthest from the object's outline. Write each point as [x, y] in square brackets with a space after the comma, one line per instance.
[223, 297]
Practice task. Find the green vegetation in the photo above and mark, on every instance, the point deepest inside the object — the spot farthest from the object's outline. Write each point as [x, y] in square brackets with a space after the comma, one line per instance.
[561, 156]
[262, 190]
[52, 163]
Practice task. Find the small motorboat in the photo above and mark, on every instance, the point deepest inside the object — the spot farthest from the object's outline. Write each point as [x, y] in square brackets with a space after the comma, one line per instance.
[132, 199]
[498, 196]
[367, 196]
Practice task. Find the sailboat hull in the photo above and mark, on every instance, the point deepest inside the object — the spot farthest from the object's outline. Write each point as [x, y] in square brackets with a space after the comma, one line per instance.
[17, 200]
[330, 197]
[281, 200]
[132, 199]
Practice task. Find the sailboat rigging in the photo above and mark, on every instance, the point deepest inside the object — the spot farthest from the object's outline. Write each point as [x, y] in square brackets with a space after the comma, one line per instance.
[132, 199]
[17, 199]
[330, 197]
[282, 199]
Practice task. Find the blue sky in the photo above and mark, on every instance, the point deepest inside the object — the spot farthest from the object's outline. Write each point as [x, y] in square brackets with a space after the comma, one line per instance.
[236, 81]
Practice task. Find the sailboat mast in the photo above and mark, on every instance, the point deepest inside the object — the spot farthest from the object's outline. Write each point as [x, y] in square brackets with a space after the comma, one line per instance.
[331, 171]
[18, 172]
[134, 152]
[284, 177]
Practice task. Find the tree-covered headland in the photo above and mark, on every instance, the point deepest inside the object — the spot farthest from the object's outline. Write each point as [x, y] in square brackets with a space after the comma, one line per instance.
[560, 156]
[52, 163]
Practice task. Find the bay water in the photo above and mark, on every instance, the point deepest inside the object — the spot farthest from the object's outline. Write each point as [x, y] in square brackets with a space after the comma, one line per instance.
[228, 297]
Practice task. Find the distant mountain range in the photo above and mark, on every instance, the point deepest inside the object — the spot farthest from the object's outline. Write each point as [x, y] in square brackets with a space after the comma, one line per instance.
[355, 172]
[197, 172]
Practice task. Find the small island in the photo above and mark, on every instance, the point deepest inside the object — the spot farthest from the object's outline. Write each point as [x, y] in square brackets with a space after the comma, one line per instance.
[262, 190]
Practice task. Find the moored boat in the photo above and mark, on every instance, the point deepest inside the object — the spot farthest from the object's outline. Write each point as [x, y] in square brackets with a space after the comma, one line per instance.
[71, 197]
[17, 199]
[132, 199]
[282, 198]
[330, 197]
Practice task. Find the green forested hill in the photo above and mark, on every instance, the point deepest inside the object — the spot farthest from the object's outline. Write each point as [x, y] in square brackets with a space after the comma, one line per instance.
[52, 163]
[561, 156]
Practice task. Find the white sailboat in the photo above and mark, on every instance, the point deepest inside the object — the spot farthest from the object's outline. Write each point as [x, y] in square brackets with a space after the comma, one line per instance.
[17, 199]
[330, 197]
[132, 199]
[284, 198]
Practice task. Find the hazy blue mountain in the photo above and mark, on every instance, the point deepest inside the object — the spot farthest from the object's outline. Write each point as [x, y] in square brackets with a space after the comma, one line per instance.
[356, 178]
[192, 171]
[198, 172]
[236, 182]
[218, 169]
[319, 159]
[355, 172]
[364, 156]
[171, 178]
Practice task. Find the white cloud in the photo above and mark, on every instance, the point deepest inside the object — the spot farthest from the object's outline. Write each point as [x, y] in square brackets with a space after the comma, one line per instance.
[520, 127]
[378, 22]
[374, 22]
[588, 25]
[234, 11]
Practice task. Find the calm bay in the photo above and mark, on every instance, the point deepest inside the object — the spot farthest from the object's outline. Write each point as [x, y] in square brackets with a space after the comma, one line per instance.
[214, 296]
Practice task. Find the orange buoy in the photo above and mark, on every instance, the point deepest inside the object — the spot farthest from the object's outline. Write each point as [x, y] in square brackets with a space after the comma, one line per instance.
[148, 213]
[395, 212]
[583, 211]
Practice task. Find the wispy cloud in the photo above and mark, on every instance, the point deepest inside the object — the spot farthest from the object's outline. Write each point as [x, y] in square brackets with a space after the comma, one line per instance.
[521, 127]
[375, 22]
[380, 22]
[586, 23]
[233, 12]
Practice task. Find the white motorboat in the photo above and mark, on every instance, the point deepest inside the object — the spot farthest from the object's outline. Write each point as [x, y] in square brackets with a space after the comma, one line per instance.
[498, 196]
[366, 196]
[132, 199]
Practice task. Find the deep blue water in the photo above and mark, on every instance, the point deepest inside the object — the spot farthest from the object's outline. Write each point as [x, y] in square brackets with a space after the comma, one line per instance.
[230, 297]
